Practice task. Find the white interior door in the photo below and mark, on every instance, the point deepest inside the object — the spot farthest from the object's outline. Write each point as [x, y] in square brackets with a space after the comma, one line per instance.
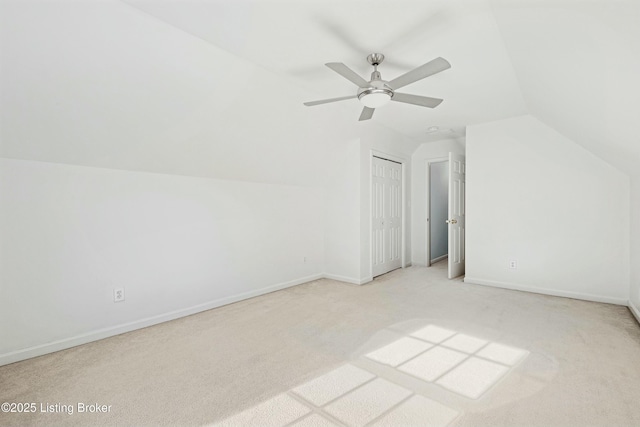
[456, 219]
[386, 216]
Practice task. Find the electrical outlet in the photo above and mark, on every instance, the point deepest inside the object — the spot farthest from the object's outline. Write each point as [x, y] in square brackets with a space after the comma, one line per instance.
[118, 295]
[513, 264]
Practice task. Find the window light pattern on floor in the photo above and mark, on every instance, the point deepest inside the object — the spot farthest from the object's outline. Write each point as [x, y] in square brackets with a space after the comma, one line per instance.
[347, 396]
[463, 364]
[354, 397]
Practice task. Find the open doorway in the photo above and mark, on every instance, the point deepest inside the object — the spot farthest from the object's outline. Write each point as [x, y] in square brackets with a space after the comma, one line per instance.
[438, 211]
[445, 212]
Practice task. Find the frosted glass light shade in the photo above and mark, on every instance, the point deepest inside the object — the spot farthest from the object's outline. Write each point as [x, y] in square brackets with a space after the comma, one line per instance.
[375, 99]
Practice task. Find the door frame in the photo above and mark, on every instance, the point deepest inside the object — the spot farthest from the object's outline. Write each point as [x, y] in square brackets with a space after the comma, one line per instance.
[403, 163]
[427, 210]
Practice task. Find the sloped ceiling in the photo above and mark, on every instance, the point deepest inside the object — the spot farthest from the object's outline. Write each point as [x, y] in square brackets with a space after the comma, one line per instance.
[102, 84]
[578, 67]
[295, 39]
[215, 87]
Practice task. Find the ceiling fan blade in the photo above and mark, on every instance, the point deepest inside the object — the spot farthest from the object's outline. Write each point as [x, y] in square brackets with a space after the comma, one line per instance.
[423, 101]
[426, 70]
[367, 113]
[326, 101]
[348, 73]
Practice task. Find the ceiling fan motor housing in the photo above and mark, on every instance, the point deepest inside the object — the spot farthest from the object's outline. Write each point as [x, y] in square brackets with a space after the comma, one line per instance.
[377, 94]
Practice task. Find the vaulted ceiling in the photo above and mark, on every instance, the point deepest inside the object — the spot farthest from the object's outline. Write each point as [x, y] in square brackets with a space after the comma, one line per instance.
[198, 87]
[577, 64]
[295, 40]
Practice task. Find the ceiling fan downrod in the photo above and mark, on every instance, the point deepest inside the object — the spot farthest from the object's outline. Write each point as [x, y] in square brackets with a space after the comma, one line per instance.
[375, 59]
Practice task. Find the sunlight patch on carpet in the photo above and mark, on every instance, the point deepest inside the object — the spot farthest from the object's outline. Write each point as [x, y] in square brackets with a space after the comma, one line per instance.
[463, 364]
[399, 351]
[454, 362]
[314, 420]
[333, 384]
[418, 411]
[432, 333]
[473, 377]
[502, 354]
[276, 412]
[368, 402]
[433, 363]
[464, 343]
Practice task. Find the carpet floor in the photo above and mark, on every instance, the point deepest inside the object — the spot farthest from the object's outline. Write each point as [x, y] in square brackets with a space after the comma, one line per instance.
[409, 349]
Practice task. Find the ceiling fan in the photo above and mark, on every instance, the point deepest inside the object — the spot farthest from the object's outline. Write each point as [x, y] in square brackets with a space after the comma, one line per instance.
[377, 92]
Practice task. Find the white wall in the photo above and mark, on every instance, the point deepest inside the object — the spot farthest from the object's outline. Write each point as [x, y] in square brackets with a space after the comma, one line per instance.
[537, 197]
[348, 222]
[242, 187]
[426, 151]
[342, 213]
[635, 246]
[438, 209]
[177, 244]
[70, 234]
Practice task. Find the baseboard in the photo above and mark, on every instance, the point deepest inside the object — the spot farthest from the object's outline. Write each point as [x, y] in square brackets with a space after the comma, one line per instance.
[440, 258]
[545, 291]
[634, 310]
[348, 279]
[88, 337]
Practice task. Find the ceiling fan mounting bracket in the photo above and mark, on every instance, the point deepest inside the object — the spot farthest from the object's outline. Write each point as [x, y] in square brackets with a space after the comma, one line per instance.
[375, 59]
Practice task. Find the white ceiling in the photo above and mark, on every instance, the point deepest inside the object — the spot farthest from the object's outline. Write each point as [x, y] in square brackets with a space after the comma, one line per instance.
[295, 38]
[578, 66]
[200, 87]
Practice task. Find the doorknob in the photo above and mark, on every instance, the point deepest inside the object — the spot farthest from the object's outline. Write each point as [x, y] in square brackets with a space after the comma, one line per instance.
[452, 221]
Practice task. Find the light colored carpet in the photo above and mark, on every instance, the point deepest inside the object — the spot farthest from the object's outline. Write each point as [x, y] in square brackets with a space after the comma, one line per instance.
[433, 333]
[560, 362]
[336, 383]
[276, 412]
[418, 410]
[368, 402]
[354, 397]
[399, 351]
[433, 364]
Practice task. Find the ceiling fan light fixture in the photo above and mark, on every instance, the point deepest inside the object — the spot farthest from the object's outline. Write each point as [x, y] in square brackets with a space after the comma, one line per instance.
[375, 97]
[377, 93]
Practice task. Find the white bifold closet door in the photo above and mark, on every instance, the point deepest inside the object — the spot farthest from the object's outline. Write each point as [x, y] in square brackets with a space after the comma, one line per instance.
[386, 213]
